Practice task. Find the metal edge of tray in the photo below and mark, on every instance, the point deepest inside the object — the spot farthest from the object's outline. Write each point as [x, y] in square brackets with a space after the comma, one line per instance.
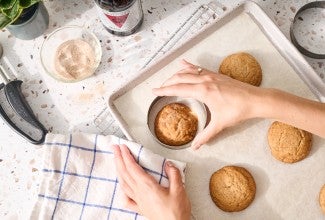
[270, 30]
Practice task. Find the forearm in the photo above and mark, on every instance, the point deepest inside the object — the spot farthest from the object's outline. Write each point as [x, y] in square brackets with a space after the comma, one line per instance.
[299, 112]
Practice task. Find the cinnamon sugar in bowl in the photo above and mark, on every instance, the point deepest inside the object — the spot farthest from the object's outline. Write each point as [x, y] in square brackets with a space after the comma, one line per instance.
[71, 54]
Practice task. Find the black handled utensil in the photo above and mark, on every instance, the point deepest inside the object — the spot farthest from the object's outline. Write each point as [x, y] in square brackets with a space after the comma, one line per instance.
[17, 113]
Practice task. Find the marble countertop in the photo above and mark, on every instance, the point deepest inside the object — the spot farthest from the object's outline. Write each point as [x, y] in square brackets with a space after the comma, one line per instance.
[64, 108]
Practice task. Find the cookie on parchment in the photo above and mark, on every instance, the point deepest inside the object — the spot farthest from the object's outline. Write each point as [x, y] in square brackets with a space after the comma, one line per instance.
[243, 67]
[287, 143]
[232, 188]
[322, 199]
[176, 124]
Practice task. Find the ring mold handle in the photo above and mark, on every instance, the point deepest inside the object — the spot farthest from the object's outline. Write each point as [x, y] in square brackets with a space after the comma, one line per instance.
[17, 102]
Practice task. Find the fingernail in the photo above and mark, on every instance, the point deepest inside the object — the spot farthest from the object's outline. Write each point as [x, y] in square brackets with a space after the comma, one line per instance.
[196, 146]
[114, 146]
[193, 144]
[170, 164]
[155, 90]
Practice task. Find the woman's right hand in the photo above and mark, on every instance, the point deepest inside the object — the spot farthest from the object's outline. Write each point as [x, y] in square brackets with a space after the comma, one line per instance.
[229, 101]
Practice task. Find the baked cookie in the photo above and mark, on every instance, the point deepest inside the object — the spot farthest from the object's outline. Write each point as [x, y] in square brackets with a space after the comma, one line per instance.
[176, 124]
[287, 143]
[243, 67]
[232, 188]
[322, 199]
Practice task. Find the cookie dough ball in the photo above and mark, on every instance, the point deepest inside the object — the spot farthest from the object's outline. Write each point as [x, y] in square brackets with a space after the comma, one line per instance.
[232, 188]
[322, 199]
[243, 67]
[287, 143]
[176, 124]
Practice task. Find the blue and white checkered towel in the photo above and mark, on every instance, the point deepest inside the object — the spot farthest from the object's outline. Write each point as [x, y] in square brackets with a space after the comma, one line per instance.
[79, 179]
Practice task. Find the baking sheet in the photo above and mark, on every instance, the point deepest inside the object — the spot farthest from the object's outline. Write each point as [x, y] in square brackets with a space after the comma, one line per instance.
[284, 191]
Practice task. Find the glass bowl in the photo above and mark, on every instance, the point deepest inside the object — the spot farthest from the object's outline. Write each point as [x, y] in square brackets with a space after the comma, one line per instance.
[70, 54]
[159, 102]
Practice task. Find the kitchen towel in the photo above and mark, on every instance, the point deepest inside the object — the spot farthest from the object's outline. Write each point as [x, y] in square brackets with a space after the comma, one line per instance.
[79, 180]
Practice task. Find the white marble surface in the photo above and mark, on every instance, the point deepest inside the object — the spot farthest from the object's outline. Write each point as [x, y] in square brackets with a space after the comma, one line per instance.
[63, 108]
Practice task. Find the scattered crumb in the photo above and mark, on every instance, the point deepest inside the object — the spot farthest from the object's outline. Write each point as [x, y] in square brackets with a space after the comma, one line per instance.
[137, 38]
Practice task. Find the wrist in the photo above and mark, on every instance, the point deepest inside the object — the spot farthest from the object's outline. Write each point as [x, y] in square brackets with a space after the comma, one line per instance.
[264, 102]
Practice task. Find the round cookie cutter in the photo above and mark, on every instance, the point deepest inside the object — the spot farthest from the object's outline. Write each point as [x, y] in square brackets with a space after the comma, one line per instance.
[159, 102]
[307, 31]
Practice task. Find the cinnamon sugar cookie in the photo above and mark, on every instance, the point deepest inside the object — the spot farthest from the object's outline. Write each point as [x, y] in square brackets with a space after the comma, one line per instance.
[287, 143]
[243, 67]
[176, 124]
[322, 199]
[232, 188]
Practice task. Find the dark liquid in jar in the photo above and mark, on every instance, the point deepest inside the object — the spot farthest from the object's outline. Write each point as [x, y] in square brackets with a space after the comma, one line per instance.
[120, 17]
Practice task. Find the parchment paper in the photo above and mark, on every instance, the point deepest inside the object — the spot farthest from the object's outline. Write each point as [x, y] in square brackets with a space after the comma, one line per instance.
[284, 191]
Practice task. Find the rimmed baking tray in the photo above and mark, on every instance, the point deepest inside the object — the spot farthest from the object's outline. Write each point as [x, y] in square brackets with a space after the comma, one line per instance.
[283, 191]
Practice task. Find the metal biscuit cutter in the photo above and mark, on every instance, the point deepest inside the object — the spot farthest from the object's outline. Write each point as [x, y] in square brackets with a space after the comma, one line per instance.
[307, 28]
[202, 16]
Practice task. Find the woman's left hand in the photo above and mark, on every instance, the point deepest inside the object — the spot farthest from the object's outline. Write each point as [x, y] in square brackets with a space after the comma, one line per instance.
[144, 195]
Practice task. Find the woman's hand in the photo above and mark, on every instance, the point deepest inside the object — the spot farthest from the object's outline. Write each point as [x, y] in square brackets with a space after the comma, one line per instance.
[144, 195]
[229, 101]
